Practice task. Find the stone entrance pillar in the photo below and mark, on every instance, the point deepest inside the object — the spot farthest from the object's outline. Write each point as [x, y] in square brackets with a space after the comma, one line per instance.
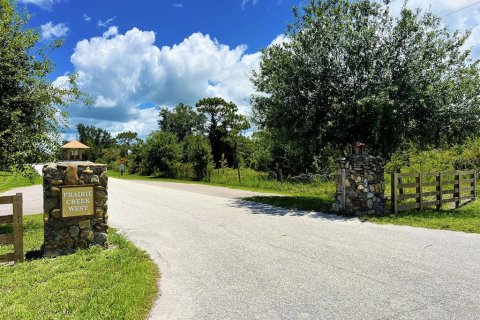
[360, 184]
[75, 207]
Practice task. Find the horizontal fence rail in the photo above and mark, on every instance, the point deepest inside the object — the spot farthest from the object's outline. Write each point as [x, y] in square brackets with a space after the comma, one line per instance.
[422, 190]
[16, 237]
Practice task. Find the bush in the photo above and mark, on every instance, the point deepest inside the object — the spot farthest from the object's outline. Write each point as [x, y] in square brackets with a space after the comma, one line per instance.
[161, 151]
[459, 157]
[198, 154]
[183, 171]
[135, 161]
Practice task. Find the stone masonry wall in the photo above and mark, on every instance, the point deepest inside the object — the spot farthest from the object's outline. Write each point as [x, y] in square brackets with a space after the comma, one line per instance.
[65, 235]
[360, 185]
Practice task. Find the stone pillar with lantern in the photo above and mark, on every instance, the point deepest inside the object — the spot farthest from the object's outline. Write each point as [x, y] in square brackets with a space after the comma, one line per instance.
[74, 150]
[360, 183]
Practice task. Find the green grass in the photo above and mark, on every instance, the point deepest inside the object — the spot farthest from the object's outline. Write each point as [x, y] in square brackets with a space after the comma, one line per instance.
[251, 180]
[10, 180]
[118, 283]
[466, 218]
[319, 197]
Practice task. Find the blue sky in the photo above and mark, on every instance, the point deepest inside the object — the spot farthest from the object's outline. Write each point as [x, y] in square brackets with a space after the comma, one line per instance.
[134, 56]
[232, 22]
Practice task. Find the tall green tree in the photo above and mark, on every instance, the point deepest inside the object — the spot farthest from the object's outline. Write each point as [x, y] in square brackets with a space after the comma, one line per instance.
[198, 152]
[30, 114]
[223, 123]
[235, 125]
[125, 140]
[97, 139]
[161, 151]
[183, 120]
[349, 71]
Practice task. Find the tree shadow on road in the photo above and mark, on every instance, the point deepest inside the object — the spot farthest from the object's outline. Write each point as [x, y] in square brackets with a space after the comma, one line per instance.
[284, 206]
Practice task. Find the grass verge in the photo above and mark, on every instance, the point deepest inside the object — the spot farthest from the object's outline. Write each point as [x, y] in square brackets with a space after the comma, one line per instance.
[118, 283]
[251, 180]
[10, 180]
[466, 218]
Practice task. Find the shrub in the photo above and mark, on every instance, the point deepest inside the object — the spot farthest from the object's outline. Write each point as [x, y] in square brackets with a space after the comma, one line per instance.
[161, 151]
[183, 171]
[459, 157]
[198, 153]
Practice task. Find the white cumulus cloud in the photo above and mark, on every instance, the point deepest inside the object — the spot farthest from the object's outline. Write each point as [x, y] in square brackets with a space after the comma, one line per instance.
[244, 3]
[112, 31]
[86, 18]
[49, 30]
[106, 23]
[280, 39]
[130, 76]
[44, 4]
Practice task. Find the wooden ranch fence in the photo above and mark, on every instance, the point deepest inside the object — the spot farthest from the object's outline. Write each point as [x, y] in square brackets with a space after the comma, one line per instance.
[15, 238]
[421, 190]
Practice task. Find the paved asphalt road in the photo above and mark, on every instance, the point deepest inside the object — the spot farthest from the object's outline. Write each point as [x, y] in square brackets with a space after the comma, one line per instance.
[32, 200]
[224, 258]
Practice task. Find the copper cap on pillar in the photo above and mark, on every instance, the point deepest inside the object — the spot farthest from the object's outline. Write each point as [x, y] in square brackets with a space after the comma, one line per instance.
[357, 148]
[74, 150]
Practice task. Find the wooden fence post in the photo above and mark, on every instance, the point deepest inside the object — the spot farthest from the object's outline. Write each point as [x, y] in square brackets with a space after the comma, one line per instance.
[439, 191]
[18, 228]
[456, 188]
[393, 183]
[344, 191]
[400, 190]
[474, 185]
[419, 191]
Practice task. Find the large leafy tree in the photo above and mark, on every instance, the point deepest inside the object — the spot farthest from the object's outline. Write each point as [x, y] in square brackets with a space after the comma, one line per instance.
[237, 123]
[125, 140]
[97, 139]
[161, 151]
[183, 120]
[29, 102]
[349, 71]
[223, 125]
[198, 152]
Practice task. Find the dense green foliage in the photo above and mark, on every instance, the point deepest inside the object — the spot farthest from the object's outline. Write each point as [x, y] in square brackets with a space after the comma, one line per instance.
[464, 156]
[189, 140]
[125, 141]
[198, 152]
[118, 283]
[29, 102]
[183, 120]
[223, 125]
[99, 141]
[349, 71]
[162, 150]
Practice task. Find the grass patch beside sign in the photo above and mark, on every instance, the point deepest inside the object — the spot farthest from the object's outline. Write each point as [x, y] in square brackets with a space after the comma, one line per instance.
[10, 180]
[118, 283]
